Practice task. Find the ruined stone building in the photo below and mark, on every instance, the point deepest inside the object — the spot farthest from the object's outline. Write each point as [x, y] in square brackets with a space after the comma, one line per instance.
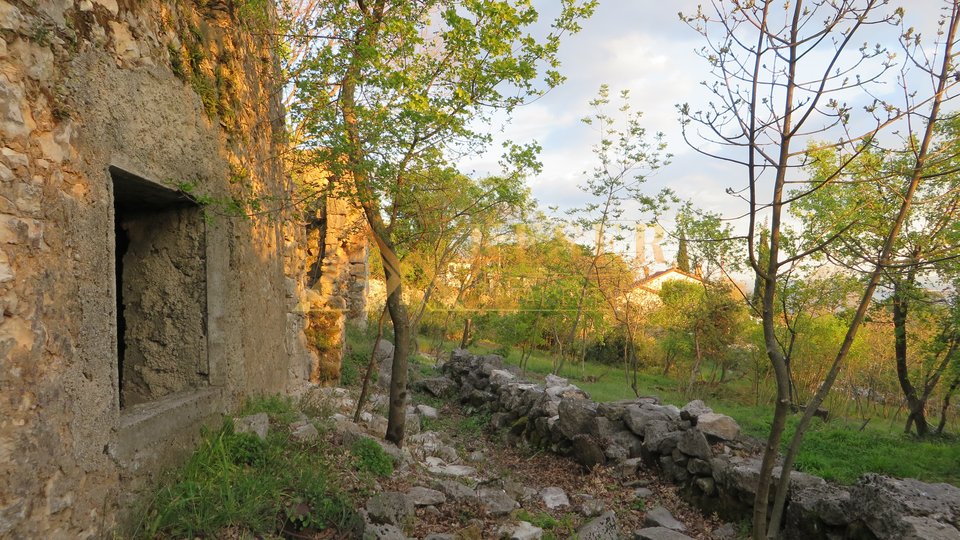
[138, 302]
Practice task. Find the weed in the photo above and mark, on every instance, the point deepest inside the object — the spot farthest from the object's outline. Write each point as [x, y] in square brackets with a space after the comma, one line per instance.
[369, 457]
[238, 480]
[553, 527]
[176, 61]
[473, 425]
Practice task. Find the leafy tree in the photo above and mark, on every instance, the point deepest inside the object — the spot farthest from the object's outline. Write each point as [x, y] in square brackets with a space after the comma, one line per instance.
[925, 253]
[781, 71]
[702, 320]
[683, 258]
[624, 159]
[392, 89]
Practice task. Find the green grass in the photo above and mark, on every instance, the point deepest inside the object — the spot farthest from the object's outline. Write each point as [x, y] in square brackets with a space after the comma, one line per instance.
[837, 450]
[553, 527]
[237, 480]
[370, 458]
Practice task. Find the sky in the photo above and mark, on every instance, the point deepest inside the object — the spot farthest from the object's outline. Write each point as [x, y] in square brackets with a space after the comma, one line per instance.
[645, 48]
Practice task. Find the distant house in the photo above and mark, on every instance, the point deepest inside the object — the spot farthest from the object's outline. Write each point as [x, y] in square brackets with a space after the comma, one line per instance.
[647, 291]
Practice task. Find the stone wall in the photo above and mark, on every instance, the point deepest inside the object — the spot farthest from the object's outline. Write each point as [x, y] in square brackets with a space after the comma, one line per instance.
[337, 255]
[703, 452]
[132, 312]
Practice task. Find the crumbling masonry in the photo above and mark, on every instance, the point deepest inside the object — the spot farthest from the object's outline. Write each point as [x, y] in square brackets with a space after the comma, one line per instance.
[137, 303]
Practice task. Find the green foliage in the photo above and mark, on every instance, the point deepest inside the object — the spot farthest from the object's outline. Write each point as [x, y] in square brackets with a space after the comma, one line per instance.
[473, 425]
[255, 14]
[277, 406]
[176, 61]
[369, 457]
[553, 527]
[238, 480]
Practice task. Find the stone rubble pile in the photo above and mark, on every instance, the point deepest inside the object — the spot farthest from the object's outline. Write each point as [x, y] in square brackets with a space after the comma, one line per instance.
[695, 448]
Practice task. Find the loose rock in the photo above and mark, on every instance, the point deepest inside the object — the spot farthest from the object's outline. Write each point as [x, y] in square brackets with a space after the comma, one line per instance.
[661, 517]
[601, 528]
[258, 424]
[554, 497]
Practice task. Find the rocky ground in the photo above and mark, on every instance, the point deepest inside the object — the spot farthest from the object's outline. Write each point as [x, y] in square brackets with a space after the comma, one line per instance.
[459, 478]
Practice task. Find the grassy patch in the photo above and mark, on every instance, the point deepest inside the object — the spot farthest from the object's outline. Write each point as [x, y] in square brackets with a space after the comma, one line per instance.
[370, 458]
[261, 486]
[552, 527]
[837, 450]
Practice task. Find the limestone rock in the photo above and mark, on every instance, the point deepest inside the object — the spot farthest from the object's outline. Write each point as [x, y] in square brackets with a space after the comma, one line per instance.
[813, 507]
[727, 531]
[554, 497]
[693, 443]
[551, 381]
[577, 416]
[422, 496]
[642, 493]
[659, 533]
[258, 424]
[427, 411]
[437, 466]
[441, 387]
[383, 355]
[455, 490]
[382, 532]
[303, 431]
[693, 410]
[638, 417]
[906, 508]
[719, 426]
[600, 528]
[590, 507]
[500, 378]
[587, 451]
[521, 492]
[521, 531]
[390, 508]
[496, 502]
[661, 517]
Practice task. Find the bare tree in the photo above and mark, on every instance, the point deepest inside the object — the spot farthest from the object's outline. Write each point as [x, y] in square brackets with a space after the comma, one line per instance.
[783, 71]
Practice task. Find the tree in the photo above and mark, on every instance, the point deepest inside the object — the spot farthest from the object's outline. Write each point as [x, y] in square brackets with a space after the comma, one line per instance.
[395, 88]
[926, 253]
[703, 320]
[624, 160]
[683, 257]
[782, 70]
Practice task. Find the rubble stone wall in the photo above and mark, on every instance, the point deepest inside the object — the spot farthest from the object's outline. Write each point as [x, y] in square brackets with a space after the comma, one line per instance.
[703, 452]
[182, 97]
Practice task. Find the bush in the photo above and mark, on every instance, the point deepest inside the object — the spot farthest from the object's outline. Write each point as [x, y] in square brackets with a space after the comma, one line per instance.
[369, 457]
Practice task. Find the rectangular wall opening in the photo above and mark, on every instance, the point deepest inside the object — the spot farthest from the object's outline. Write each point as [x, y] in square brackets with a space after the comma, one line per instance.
[161, 290]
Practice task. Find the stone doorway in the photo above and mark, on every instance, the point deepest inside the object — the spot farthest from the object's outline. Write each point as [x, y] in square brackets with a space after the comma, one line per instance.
[161, 290]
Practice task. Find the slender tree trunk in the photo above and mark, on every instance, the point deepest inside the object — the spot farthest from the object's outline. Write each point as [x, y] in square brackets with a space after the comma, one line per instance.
[397, 413]
[370, 366]
[915, 405]
[946, 405]
[883, 261]
[465, 338]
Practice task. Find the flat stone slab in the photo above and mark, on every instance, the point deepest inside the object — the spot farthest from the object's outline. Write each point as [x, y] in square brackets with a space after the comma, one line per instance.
[661, 517]
[659, 533]
[422, 496]
[601, 528]
[258, 424]
[496, 502]
[437, 466]
[554, 497]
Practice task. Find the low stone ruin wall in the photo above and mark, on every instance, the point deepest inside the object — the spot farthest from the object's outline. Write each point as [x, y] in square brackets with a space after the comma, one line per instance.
[703, 452]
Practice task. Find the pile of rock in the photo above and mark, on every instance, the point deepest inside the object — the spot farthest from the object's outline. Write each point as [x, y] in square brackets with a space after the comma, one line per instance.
[701, 451]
